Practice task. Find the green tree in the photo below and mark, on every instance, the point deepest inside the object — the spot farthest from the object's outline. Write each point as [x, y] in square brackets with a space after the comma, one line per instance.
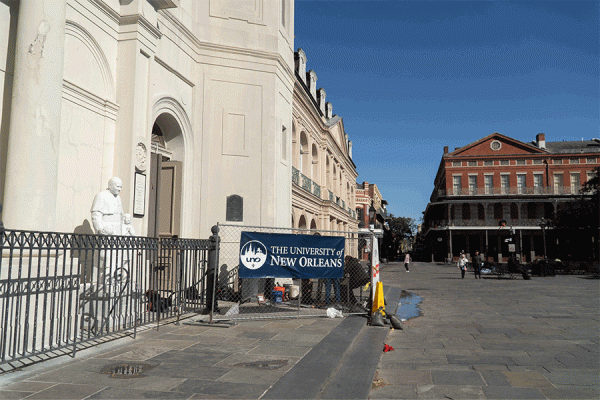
[400, 229]
[577, 222]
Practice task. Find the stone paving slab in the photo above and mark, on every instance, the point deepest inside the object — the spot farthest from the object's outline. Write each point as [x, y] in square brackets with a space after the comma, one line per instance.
[501, 338]
[488, 339]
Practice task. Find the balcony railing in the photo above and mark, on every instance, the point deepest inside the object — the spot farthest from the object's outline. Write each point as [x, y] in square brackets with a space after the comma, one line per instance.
[316, 190]
[306, 183]
[312, 187]
[484, 222]
[509, 191]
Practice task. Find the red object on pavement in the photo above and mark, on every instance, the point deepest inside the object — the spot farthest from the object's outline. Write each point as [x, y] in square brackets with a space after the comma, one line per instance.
[387, 348]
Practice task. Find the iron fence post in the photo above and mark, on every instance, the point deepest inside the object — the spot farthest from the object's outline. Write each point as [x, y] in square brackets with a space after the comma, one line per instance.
[213, 265]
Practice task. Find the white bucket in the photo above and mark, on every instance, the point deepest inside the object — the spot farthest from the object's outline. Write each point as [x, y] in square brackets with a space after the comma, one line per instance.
[294, 291]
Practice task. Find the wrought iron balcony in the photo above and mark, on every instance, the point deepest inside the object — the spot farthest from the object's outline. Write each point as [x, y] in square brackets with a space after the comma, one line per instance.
[310, 186]
[507, 191]
[306, 183]
[534, 222]
[316, 190]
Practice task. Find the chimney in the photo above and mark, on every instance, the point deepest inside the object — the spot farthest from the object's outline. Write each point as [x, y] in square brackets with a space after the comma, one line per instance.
[540, 140]
[300, 61]
[321, 99]
[445, 149]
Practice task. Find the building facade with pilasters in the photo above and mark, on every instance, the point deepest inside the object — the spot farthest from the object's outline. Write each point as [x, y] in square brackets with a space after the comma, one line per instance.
[323, 173]
[188, 102]
[491, 195]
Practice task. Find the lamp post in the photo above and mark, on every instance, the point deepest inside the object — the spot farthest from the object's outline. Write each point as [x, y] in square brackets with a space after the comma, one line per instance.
[372, 212]
[543, 225]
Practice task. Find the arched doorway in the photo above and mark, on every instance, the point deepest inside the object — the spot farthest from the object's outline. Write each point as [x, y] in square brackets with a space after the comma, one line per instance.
[166, 173]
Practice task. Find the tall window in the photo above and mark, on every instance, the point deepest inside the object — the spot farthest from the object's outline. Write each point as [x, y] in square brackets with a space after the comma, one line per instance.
[456, 185]
[521, 183]
[538, 180]
[498, 211]
[473, 185]
[514, 211]
[504, 184]
[466, 211]
[489, 184]
[575, 183]
[558, 183]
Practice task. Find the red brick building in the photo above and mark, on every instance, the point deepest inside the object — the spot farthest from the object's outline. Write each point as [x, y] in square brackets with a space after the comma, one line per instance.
[367, 195]
[492, 194]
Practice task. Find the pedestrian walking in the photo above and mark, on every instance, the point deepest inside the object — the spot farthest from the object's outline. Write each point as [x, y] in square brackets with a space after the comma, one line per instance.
[462, 264]
[477, 261]
[406, 261]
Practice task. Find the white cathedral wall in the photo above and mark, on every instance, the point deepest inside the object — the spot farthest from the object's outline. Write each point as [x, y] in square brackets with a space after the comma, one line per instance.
[5, 87]
[230, 93]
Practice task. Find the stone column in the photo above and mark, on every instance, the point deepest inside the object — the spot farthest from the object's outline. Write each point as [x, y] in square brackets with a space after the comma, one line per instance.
[32, 160]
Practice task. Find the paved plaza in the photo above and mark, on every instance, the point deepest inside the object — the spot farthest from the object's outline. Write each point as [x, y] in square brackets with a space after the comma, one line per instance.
[493, 338]
[490, 338]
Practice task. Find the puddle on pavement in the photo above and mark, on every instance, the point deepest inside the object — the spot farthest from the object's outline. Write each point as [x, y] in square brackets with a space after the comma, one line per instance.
[126, 370]
[408, 307]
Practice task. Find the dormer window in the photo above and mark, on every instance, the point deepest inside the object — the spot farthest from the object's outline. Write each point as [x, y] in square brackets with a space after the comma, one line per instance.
[321, 99]
[328, 110]
[300, 59]
[311, 77]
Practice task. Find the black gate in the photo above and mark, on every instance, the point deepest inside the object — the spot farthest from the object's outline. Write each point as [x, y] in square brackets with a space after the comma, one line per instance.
[58, 290]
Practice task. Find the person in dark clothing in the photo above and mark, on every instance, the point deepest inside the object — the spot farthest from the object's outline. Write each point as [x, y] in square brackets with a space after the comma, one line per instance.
[477, 261]
[357, 277]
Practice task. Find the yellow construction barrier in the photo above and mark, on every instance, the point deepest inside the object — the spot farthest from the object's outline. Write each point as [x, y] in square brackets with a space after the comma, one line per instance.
[378, 301]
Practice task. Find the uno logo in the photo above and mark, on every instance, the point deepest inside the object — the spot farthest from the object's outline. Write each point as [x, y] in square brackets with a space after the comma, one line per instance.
[253, 254]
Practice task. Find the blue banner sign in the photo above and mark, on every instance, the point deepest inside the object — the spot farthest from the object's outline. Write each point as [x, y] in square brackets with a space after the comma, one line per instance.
[279, 255]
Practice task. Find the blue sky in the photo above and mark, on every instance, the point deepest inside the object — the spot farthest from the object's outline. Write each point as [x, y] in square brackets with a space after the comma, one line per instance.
[410, 77]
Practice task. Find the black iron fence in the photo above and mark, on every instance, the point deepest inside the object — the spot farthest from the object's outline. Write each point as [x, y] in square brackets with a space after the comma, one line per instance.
[58, 290]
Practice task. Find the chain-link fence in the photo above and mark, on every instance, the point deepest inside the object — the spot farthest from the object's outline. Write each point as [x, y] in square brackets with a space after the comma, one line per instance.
[260, 298]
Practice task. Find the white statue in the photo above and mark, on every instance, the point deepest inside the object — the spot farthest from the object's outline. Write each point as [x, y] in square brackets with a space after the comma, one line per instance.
[127, 227]
[107, 211]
